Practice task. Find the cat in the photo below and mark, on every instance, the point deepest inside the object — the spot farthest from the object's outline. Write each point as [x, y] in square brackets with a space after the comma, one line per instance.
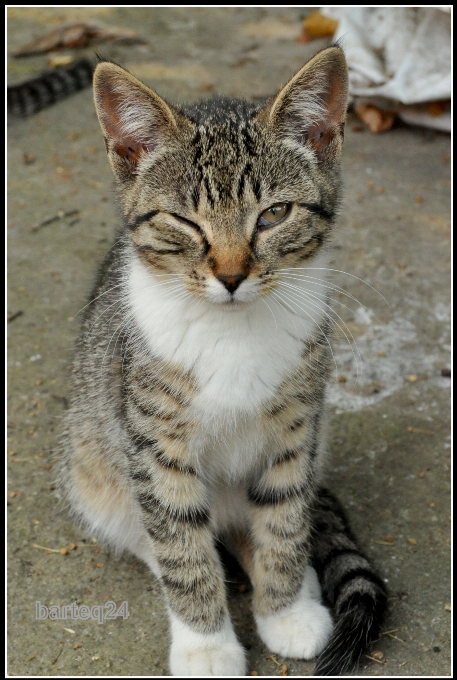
[197, 413]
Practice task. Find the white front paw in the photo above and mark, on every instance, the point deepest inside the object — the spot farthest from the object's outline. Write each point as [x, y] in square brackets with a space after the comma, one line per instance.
[198, 654]
[303, 629]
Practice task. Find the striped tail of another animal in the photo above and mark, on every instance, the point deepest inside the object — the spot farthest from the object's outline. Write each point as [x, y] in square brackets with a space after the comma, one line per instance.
[350, 586]
[46, 89]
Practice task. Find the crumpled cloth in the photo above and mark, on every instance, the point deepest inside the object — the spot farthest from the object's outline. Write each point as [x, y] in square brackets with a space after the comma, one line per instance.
[398, 59]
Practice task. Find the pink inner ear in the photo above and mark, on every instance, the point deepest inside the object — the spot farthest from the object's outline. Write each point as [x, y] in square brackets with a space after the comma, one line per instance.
[316, 132]
[131, 149]
[128, 148]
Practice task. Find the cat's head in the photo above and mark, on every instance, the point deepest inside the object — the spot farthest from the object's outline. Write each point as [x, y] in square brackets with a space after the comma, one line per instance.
[224, 194]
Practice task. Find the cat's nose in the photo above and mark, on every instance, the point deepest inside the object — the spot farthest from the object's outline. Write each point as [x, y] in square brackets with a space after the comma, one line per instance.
[231, 282]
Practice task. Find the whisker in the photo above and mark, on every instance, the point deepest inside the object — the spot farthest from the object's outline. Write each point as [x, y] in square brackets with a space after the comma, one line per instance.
[308, 294]
[143, 305]
[308, 314]
[340, 271]
[331, 286]
[99, 296]
[276, 324]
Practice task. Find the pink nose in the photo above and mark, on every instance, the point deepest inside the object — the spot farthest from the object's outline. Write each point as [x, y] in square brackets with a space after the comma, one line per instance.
[231, 282]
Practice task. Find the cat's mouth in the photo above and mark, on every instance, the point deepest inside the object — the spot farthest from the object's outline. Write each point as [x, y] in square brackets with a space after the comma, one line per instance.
[245, 293]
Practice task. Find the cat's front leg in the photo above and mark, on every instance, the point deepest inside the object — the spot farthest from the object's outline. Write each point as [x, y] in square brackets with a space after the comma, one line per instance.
[178, 540]
[179, 547]
[290, 617]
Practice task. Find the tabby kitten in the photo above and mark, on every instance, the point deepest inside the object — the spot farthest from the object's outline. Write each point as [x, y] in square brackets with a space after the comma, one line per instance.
[197, 412]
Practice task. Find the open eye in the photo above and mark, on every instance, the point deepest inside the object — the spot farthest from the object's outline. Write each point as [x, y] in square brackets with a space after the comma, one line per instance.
[273, 215]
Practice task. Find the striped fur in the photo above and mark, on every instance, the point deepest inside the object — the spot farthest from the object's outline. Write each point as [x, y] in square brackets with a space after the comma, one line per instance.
[199, 382]
[40, 92]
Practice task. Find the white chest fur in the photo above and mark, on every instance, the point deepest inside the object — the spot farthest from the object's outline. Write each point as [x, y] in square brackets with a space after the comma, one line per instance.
[239, 355]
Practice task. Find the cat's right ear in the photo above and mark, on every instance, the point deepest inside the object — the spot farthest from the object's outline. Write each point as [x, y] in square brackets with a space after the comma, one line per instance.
[135, 121]
[310, 109]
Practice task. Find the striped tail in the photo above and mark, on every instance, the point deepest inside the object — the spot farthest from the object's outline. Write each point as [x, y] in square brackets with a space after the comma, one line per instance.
[38, 93]
[350, 586]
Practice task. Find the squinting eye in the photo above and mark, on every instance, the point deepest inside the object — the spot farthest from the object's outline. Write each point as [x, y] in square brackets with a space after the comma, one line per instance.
[273, 215]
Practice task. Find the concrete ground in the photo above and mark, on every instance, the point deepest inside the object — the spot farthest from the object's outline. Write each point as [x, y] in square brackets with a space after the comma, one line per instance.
[389, 435]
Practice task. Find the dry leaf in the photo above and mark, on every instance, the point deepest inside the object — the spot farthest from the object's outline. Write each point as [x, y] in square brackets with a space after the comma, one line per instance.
[71, 35]
[316, 25]
[376, 119]
[438, 107]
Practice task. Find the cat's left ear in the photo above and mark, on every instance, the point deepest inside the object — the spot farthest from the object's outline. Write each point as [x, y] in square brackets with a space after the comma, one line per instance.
[311, 108]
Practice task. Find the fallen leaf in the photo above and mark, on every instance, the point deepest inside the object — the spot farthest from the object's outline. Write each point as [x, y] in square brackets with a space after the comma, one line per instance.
[438, 107]
[71, 35]
[316, 25]
[376, 119]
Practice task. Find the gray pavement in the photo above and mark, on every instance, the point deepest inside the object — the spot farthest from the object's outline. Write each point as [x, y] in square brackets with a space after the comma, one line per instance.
[388, 435]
